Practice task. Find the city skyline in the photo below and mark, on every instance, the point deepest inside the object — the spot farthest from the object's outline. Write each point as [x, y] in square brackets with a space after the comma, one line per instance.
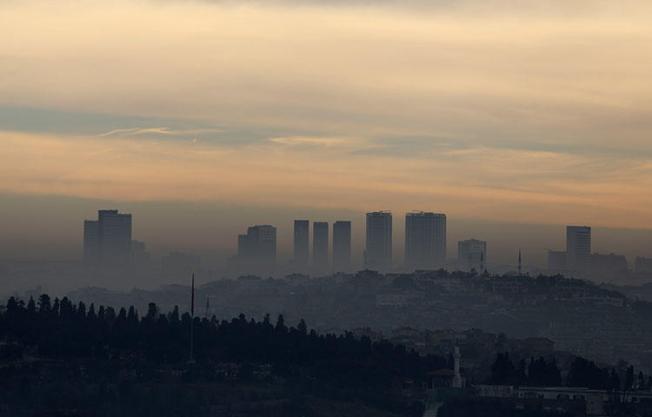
[373, 208]
[203, 233]
[107, 243]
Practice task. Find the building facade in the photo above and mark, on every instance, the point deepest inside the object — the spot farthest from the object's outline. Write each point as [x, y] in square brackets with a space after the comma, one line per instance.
[115, 235]
[257, 250]
[425, 240]
[301, 244]
[378, 249]
[342, 246]
[108, 240]
[578, 247]
[320, 258]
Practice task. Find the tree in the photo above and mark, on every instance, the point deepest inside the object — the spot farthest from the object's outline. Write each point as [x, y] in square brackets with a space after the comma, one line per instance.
[280, 325]
[302, 327]
[31, 306]
[614, 381]
[502, 370]
[629, 378]
[152, 312]
[44, 304]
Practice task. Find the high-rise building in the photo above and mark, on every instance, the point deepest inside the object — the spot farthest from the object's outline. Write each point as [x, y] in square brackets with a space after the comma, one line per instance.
[115, 235]
[378, 251]
[578, 247]
[472, 254]
[107, 241]
[320, 246]
[301, 244]
[257, 250]
[425, 240]
[342, 246]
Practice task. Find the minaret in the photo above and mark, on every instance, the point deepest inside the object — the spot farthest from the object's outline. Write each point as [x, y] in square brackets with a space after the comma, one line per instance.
[192, 321]
[520, 263]
[457, 378]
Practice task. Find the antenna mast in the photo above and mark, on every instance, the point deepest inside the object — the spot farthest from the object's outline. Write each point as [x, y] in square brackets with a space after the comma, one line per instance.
[192, 320]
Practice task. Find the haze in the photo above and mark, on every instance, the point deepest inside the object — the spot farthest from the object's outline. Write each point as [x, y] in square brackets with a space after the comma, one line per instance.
[246, 112]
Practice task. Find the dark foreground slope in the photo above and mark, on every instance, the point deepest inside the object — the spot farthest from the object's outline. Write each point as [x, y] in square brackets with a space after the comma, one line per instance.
[65, 359]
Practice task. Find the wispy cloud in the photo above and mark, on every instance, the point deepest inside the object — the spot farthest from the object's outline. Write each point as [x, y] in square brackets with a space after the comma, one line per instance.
[160, 131]
[137, 131]
[313, 141]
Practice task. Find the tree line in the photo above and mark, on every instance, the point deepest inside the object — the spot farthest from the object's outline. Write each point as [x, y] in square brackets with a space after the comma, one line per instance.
[581, 373]
[61, 329]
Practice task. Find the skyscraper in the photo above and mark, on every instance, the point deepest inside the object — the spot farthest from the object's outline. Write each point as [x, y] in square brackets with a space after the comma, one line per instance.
[108, 240]
[425, 240]
[578, 247]
[301, 244]
[378, 251]
[320, 246]
[472, 254]
[342, 246]
[115, 235]
[257, 250]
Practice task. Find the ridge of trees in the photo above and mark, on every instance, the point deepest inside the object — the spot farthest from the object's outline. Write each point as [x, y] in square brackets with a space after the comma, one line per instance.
[60, 329]
[582, 373]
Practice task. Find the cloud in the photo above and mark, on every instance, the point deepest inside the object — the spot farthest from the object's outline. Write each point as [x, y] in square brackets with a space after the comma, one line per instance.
[311, 141]
[485, 108]
[520, 185]
[157, 131]
[136, 131]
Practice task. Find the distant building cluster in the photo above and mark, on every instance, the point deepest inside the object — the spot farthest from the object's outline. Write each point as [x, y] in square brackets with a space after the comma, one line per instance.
[330, 249]
[108, 242]
[326, 257]
[257, 249]
[322, 248]
[579, 259]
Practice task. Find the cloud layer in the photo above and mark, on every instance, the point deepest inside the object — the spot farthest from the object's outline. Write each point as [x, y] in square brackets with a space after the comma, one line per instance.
[483, 109]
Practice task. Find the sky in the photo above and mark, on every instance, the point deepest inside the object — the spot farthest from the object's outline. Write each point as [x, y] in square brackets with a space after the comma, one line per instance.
[523, 112]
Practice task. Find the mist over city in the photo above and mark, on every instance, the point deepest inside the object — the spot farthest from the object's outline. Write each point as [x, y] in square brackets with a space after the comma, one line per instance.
[313, 208]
